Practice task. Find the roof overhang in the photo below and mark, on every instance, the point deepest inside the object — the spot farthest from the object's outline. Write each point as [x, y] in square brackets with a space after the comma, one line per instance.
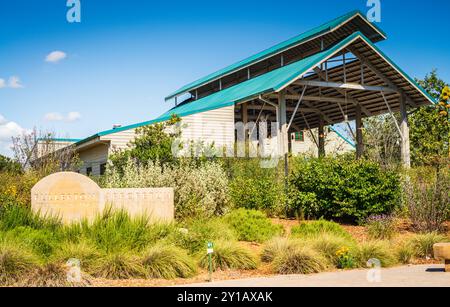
[347, 24]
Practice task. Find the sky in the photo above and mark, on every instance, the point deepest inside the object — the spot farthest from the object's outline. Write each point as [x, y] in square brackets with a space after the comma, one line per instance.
[117, 65]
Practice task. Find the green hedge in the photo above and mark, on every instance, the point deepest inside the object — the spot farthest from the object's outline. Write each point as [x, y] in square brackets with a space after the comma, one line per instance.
[342, 189]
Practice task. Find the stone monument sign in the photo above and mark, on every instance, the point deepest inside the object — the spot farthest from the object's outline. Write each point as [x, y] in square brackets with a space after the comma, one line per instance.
[74, 197]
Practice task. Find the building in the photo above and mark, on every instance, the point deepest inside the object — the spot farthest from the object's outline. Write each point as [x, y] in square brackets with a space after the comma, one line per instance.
[330, 75]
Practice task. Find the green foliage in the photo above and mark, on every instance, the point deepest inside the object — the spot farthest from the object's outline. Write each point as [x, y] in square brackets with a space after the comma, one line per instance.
[119, 265]
[343, 189]
[198, 232]
[430, 129]
[422, 244]
[336, 249]
[405, 252]
[380, 250]
[10, 166]
[168, 262]
[254, 187]
[116, 230]
[381, 227]
[201, 189]
[252, 225]
[152, 144]
[15, 188]
[42, 241]
[299, 260]
[84, 251]
[315, 229]
[275, 247]
[14, 216]
[229, 255]
[427, 198]
[16, 261]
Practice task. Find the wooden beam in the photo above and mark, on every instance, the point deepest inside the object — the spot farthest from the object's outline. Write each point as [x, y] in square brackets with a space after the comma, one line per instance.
[348, 86]
[404, 126]
[380, 75]
[350, 97]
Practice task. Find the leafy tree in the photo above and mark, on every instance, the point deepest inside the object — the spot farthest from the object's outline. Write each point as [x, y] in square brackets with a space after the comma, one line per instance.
[8, 165]
[430, 128]
[152, 144]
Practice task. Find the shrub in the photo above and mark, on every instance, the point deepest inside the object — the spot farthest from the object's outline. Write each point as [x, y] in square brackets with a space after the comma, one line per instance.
[201, 189]
[229, 255]
[16, 261]
[319, 228]
[428, 199]
[423, 244]
[51, 275]
[168, 262]
[300, 260]
[381, 227]
[199, 232]
[379, 250]
[334, 248]
[343, 189]
[119, 265]
[16, 188]
[252, 225]
[255, 187]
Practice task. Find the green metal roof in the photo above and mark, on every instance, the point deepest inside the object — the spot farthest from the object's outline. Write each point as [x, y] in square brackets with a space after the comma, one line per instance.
[65, 140]
[272, 81]
[327, 27]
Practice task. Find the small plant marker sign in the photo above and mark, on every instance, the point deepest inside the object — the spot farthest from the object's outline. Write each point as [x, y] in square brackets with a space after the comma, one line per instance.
[210, 251]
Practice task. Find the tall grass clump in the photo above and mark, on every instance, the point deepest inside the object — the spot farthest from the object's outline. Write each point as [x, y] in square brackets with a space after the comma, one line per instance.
[380, 250]
[43, 242]
[229, 255]
[252, 225]
[198, 232]
[336, 249]
[422, 244]
[84, 251]
[16, 261]
[299, 260]
[168, 262]
[13, 216]
[116, 230]
[381, 227]
[319, 228]
[119, 265]
[277, 246]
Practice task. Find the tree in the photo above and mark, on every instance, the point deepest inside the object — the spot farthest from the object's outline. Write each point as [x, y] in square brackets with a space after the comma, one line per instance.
[430, 128]
[153, 143]
[9, 165]
[38, 152]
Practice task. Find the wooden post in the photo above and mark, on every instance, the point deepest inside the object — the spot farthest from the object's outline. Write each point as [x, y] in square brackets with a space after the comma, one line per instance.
[283, 123]
[321, 136]
[359, 133]
[244, 116]
[404, 128]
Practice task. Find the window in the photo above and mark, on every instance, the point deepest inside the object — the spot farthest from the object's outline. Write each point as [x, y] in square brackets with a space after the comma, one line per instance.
[299, 136]
[102, 169]
[88, 171]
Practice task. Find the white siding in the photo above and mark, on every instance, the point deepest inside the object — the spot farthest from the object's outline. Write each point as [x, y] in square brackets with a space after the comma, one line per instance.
[120, 140]
[211, 127]
[334, 144]
[94, 157]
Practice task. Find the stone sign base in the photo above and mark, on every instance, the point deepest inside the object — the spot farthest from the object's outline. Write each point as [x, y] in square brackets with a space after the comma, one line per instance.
[74, 197]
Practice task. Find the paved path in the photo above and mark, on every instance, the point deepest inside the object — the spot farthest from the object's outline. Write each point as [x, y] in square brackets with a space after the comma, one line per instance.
[406, 276]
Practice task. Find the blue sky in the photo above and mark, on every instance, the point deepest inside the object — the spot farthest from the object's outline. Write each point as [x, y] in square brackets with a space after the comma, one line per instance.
[126, 56]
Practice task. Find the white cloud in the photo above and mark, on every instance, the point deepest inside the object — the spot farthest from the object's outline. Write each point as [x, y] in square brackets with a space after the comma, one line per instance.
[73, 116]
[58, 117]
[55, 56]
[54, 117]
[14, 82]
[8, 129]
